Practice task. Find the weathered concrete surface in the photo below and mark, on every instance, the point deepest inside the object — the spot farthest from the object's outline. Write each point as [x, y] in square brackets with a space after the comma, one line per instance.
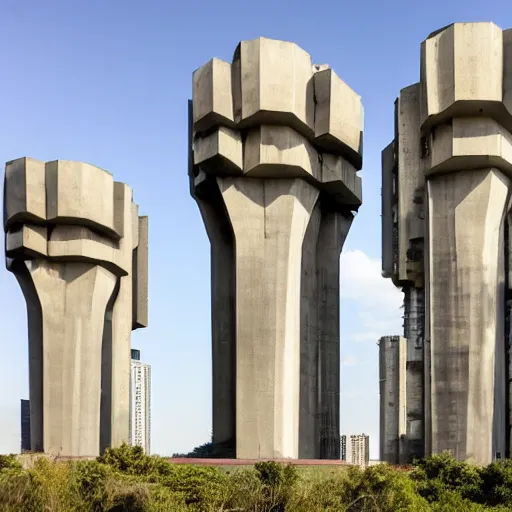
[276, 225]
[269, 219]
[465, 314]
[392, 373]
[454, 134]
[320, 351]
[70, 241]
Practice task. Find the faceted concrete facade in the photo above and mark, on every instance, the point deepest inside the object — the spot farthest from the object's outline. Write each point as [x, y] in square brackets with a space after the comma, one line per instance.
[275, 148]
[78, 248]
[446, 196]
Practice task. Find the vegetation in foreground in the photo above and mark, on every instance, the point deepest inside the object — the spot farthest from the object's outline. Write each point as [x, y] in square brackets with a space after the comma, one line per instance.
[125, 479]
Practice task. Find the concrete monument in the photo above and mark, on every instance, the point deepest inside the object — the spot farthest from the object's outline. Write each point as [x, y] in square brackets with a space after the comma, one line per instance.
[276, 143]
[446, 197]
[78, 248]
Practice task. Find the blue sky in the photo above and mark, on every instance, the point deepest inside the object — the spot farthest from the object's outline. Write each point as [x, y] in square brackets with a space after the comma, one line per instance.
[107, 82]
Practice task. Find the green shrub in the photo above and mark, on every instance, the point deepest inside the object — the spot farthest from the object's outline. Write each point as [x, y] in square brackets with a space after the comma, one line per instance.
[202, 487]
[9, 462]
[441, 472]
[381, 488]
[496, 488]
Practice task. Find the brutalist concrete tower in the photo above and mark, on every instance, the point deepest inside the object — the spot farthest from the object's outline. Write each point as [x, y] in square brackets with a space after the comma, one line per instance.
[392, 368]
[77, 246]
[446, 195]
[275, 147]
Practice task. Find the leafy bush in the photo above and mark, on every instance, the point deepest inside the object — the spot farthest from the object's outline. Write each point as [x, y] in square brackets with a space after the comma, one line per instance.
[125, 479]
[9, 462]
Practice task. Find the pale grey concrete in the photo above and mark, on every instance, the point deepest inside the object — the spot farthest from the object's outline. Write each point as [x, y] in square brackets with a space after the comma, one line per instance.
[392, 390]
[453, 150]
[274, 173]
[72, 241]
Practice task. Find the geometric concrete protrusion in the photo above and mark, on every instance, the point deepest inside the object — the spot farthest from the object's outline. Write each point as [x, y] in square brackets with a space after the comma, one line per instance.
[26, 241]
[221, 149]
[80, 193]
[212, 88]
[25, 192]
[471, 143]
[279, 152]
[72, 242]
[267, 77]
[340, 179]
[462, 73]
[276, 182]
[338, 116]
[140, 274]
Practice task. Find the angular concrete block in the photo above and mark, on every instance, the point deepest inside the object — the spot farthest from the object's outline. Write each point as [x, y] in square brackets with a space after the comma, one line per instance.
[122, 194]
[462, 72]
[411, 180]
[219, 152]
[388, 169]
[80, 193]
[340, 180]
[338, 117]
[272, 83]
[212, 99]
[140, 277]
[26, 242]
[471, 143]
[79, 243]
[507, 69]
[280, 152]
[135, 225]
[24, 192]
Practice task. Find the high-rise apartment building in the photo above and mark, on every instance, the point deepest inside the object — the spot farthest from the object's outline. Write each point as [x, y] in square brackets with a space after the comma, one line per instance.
[360, 450]
[343, 447]
[140, 403]
[25, 425]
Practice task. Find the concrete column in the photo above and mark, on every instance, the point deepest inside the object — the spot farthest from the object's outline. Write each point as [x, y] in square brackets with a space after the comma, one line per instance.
[414, 310]
[269, 219]
[72, 298]
[72, 240]
[392, 372]
[267, 139]
[333, 232]
[466, 212]
[223, 320]
[320, 345]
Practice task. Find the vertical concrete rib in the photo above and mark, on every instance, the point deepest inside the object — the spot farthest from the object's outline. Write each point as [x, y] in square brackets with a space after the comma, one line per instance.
[269, 219]
[309, 435]
[220, 234]
[334, 229]
[466, 275]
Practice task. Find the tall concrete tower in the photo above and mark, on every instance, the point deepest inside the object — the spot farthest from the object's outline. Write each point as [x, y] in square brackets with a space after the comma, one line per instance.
[276, 143]
[392, 390]
[446, 194]
[77, 246]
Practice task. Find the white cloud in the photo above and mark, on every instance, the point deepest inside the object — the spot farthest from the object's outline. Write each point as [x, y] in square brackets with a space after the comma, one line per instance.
[349, 361]
[378, 301]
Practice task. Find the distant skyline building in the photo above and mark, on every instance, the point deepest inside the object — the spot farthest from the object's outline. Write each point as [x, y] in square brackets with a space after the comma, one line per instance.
[140, 402]
[360, 450]
[392, 403]
[25, 425]
[343, 447]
